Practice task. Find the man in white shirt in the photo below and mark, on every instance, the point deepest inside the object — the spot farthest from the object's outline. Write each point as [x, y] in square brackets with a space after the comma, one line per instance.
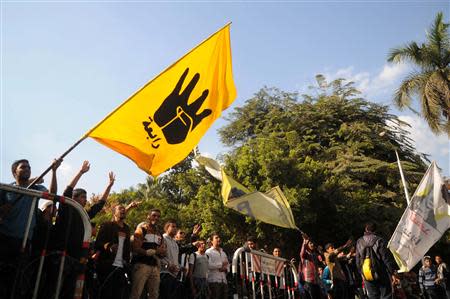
[218, 268]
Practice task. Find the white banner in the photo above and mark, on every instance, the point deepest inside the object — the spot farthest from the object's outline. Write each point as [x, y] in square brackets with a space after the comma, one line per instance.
[424, 221]
[267, 265]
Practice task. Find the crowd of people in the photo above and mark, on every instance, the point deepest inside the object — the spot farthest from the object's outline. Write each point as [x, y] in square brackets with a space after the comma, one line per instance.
[150, 262]
[329, 272]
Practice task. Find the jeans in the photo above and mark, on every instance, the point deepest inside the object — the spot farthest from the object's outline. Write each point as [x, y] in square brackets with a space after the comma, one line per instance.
[435, 293]
[379, 289]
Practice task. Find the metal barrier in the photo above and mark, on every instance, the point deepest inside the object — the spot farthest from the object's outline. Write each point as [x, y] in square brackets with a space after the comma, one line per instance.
[86, 237]
[260, 275]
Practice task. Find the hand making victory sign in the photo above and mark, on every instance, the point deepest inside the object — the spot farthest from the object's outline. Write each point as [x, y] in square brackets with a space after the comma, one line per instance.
[175, 116]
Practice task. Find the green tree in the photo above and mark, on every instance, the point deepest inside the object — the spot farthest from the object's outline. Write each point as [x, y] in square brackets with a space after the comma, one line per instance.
[431, 82]
[323, 149]
[327, 155]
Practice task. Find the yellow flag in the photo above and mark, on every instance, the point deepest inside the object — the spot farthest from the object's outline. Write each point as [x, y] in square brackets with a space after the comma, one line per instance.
[231, 189]
[161, 123]
[271, 207]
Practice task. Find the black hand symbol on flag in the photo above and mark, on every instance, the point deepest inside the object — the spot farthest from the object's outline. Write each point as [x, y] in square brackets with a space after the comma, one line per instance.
[175, 117]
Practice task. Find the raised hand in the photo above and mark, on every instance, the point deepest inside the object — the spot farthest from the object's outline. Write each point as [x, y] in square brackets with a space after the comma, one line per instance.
[56, 163]
[348, 243]
[305, 237]
[175, 116]
[132, 205]
[85, 167]
[112, 178]
[197, 229]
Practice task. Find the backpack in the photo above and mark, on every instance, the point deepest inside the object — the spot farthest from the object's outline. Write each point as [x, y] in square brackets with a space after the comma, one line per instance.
[370, 264]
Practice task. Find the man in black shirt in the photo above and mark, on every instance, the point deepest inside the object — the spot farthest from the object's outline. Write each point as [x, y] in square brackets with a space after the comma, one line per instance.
[113, 244]
[68, 231]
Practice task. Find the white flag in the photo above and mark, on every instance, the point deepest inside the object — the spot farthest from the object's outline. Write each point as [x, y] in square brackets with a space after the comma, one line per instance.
[424, 221]
[211, 165]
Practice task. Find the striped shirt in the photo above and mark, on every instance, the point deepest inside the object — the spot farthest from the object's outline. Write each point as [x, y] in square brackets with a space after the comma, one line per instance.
[427, 276]
[309, 266]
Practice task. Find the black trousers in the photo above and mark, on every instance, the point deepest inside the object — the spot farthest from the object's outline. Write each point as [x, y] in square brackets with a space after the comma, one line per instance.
[12, 265]
[114, 283]
[170, 287]
[313, 290]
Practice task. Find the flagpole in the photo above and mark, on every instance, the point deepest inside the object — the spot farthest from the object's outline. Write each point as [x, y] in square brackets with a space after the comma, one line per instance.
[60, 158]
[403, 177]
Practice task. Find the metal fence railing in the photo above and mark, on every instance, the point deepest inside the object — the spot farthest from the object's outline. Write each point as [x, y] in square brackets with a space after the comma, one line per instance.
[260, 275]
[36, 195]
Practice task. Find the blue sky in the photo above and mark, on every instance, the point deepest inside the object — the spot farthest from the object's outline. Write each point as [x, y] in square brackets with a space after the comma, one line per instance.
[66, 65]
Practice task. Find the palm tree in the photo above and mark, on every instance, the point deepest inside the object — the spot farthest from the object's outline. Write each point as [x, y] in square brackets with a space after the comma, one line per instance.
[431, 81]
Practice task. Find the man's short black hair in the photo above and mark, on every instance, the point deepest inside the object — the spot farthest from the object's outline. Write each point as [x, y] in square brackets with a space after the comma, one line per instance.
[78, 192]
[211, 236]
[251, 239]
[370, 227]
[169, 222]
[328, 245]
[154, 210]
[16, 164]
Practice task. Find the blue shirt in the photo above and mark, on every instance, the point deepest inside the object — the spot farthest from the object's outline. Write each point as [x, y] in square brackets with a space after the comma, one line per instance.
[15, 221]
[326, 278]
[427, 276]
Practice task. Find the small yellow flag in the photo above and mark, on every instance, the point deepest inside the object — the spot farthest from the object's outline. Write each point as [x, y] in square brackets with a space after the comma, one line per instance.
[231, 189]
[271, 207]
[161, 123]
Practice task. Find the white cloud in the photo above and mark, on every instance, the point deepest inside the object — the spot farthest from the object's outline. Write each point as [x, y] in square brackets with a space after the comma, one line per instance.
[438, 147]
[392, 72]
[372, 85]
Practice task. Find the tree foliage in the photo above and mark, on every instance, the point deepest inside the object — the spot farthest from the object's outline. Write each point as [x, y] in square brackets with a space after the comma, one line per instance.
[323, 149]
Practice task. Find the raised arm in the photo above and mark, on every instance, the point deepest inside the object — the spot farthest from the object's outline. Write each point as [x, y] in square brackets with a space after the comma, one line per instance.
[340, 249]
[132, 205]
[69, 189]
[112, 178]
[84, 168]
[53, 183]
[302, 251]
